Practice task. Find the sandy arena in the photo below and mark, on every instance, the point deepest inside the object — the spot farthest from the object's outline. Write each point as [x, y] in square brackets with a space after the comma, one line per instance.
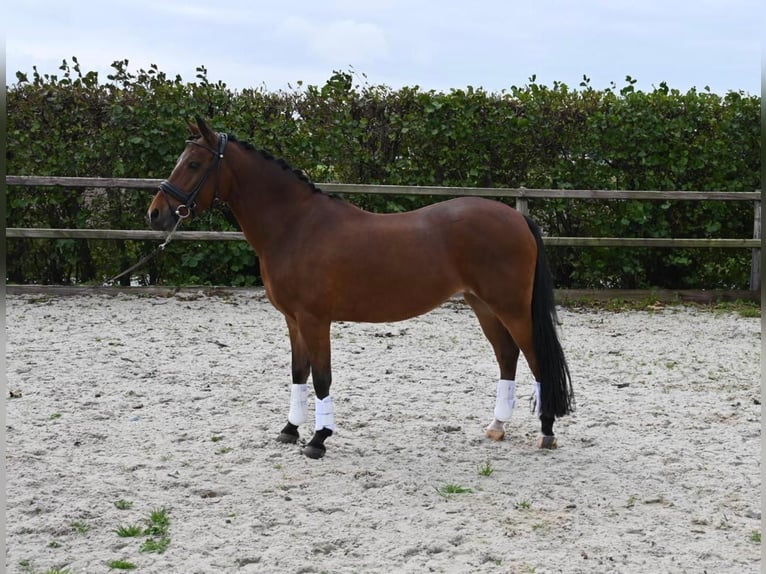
[176, 403]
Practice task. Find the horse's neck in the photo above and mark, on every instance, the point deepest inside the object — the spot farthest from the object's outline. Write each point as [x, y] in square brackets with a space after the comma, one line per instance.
[267, 202]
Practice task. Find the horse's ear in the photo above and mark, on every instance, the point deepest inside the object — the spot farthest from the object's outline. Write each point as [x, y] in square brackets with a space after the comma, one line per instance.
[193, 129]
[208, 134]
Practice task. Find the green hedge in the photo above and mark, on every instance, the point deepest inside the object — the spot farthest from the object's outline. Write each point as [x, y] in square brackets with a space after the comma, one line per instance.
[133, 125]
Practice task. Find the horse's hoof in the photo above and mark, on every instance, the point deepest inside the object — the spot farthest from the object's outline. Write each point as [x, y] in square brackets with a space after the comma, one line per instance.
[495, 430]
[548, 442]
[287, 438]
[494, 434]
[314, 452]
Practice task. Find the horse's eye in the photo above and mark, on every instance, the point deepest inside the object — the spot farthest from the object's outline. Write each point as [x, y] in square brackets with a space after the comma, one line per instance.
[193, 165]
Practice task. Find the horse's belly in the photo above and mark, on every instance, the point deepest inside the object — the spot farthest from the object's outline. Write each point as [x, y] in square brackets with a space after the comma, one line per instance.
[392, 300]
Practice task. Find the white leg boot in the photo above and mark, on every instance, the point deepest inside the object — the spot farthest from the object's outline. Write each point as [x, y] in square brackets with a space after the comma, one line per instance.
[325, 414]
[298, 404]
[324, 428]
[505, 402]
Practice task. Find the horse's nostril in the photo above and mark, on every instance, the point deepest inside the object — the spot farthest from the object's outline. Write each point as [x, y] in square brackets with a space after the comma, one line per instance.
[154, 218]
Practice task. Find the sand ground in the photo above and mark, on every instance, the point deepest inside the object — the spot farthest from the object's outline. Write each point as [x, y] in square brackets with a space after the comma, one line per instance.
[176, 403]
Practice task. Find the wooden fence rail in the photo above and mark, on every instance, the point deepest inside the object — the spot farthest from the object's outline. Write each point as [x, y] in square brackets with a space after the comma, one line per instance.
[521, 195]
[42, 233]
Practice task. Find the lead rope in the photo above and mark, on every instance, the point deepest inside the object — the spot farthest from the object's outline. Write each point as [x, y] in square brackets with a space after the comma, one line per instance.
[160, 248]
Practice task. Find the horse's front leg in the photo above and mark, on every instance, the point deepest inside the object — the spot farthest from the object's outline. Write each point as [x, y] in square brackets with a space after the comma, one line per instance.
[316, 335]
[301, 367]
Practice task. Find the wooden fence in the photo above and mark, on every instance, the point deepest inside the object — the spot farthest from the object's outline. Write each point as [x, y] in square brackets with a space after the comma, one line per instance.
[521, 195]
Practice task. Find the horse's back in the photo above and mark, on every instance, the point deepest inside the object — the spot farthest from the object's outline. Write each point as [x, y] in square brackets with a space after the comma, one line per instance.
[463, 228]
[476, 229]
[383, 267]
[483, 219]
[475, 210]
[490, 243]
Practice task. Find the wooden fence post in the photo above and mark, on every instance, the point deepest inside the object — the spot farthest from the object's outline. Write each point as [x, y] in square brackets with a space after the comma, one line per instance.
[522, 205]
[755, 265]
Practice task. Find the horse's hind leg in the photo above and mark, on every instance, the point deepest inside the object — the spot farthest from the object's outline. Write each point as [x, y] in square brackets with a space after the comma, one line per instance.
[301, 368]
[519, 324]
[507, 355]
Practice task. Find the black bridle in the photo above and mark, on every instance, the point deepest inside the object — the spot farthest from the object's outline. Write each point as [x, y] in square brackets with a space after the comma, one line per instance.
[189, 200]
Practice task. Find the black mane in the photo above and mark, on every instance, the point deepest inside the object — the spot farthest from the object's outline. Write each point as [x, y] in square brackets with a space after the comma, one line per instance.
[279, 161]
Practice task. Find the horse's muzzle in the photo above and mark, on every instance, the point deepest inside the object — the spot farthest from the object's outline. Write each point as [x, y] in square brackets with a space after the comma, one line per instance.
[161, 220]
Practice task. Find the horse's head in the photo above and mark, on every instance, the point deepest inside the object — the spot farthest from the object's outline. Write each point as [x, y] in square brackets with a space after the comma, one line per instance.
[190, 189]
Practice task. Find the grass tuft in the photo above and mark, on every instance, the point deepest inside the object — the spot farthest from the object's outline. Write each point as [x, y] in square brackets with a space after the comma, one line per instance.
[522, 505]
[121, 565]
[155, 545]
[129, 531]
[157, 532]
[450, 488]
[80, 527]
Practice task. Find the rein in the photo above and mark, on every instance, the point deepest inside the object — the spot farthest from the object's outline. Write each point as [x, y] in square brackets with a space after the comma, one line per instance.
[188, 203]
[150, 256]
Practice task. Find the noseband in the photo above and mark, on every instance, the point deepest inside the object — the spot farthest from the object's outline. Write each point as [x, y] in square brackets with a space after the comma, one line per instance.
[189, 200]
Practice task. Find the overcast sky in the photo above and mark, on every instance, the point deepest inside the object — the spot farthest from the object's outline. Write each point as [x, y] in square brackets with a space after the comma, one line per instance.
[439, 44]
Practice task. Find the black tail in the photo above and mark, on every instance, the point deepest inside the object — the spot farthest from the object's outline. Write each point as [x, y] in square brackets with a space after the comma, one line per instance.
[556, 395]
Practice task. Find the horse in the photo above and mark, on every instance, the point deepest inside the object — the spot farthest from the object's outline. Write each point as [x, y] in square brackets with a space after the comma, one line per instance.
[322, 259]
